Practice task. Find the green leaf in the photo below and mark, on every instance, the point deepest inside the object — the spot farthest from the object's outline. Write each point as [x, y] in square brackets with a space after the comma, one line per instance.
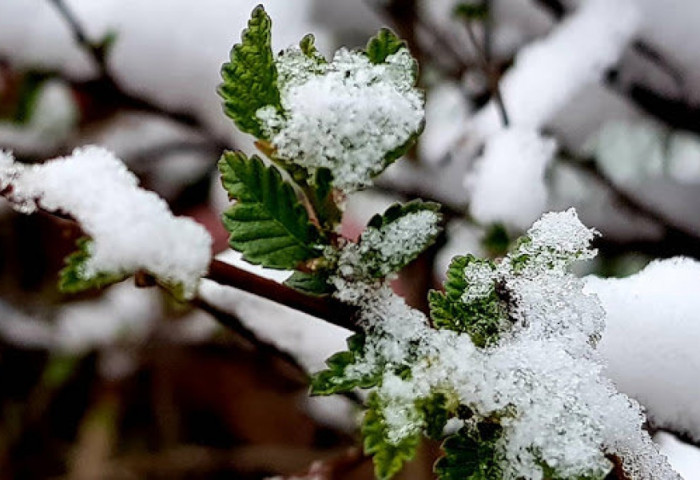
[28, 96]
[384, 44]
[469, 457]
[436, 414]
[308, 47]
[268, 223]
[72, 278]
[250, 78]
[481, 319]
[382, 252]
[315, 284]
[336, 378]
[388, 458]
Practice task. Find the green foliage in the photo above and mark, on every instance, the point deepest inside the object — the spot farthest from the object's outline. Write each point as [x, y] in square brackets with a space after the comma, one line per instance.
[388, 458]
[472, 11]
[496, 240]
[28, 96]
[374, 258]
[72, 278]
[480, 318]
[250, 78]
[308, 47]
[315, 284]
[268, 223]
[384, 44]
[336, 378]
[470, 456]
[436, 412]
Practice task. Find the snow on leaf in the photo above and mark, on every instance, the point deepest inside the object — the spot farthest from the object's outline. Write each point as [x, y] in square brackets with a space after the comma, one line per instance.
[130, 229]
[351, 116]
[268, 223]
[392, 240]
[388, 457]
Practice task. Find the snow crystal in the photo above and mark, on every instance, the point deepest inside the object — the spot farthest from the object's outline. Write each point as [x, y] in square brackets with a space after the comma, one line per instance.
[389, 245]
[507, 185]
[650, 343]
[345, 115]
[547, 73]
[131, 228]
[542, 378]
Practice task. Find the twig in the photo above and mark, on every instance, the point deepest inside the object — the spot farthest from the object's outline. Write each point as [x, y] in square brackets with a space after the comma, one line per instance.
[490, 74]
[325, 308]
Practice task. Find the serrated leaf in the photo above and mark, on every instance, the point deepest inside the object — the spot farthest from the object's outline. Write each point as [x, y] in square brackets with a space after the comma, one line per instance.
[336, 378]
[384, 44]
[382, 252]
[72, 277]
[250, 78]
[315, 284]
[388, 458]
[468, 457]
[268, 224]
[481, 318]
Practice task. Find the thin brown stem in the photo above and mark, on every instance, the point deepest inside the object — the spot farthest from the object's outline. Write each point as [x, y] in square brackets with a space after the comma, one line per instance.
[491, 76]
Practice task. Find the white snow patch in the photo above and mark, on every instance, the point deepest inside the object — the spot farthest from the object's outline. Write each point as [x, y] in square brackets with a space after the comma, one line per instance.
[131, 229]
[650, 342]
[508, 182]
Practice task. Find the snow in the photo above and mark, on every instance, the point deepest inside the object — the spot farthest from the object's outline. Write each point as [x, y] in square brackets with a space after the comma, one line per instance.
[685, 458]
[165, 50]
[543, 377]
[345, 115]
[548, 72]
[131, 229]
[508, 182]
[650, 343]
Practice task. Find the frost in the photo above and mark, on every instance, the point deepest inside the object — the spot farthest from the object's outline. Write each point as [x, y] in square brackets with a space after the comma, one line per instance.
[542, 379]
[131, 229]
[347, 115]
[507, 185]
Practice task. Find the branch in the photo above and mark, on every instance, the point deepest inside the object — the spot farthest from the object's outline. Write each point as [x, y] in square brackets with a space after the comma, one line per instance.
[325, 308]
[112, 96]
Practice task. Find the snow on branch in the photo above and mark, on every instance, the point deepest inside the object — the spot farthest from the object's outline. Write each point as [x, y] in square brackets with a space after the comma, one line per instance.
[130, 229]
[549, 72]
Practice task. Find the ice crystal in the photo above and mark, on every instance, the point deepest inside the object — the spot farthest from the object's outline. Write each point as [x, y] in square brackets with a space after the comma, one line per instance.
[347, 115]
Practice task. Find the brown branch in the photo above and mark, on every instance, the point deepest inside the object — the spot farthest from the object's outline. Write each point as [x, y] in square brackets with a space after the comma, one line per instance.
[325, 308]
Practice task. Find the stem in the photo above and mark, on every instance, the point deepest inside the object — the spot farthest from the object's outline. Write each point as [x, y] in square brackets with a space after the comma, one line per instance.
[325, 308]
[490, 74]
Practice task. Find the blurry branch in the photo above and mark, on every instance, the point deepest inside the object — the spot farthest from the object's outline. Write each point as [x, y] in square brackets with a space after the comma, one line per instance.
[677, 113]
[676, 240]
[234, 324]
[491, 75]
[111, 95]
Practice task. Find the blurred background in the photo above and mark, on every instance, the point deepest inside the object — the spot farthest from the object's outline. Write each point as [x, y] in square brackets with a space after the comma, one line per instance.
[127, 383]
